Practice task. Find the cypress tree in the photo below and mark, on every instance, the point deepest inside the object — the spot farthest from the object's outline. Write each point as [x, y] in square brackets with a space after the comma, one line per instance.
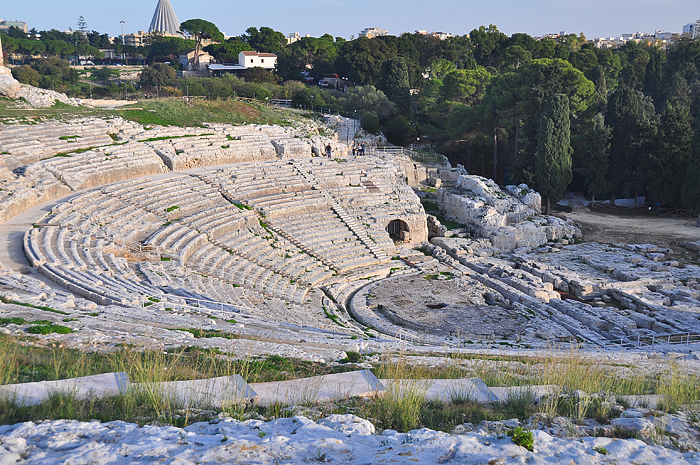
[596, 155]
[653, 81]
[600, 96]
[395, 83]
[553, 156]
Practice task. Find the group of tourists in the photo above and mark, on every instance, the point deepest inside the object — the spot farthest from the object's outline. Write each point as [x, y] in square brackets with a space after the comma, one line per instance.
[358, 149]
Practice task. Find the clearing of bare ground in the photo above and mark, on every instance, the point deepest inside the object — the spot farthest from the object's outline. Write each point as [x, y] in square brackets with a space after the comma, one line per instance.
[444, 304]
[634, 228]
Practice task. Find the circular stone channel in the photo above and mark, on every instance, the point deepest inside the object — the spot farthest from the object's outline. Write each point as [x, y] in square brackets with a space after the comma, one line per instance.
[445, 305]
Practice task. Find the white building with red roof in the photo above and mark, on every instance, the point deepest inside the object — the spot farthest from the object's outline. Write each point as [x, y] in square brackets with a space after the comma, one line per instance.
[248, 59]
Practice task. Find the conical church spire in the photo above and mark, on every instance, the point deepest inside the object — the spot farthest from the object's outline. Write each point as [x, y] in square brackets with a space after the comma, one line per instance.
[164, 19]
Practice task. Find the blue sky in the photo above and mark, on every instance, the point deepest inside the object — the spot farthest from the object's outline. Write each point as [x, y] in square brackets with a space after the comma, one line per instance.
[595, 18]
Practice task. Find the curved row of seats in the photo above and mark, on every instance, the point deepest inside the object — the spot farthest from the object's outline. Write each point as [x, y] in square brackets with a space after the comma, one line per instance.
[29, 143]
[270, 230]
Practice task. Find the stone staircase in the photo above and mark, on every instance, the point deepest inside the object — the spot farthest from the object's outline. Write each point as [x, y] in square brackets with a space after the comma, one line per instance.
[304, 169]
[357, 229]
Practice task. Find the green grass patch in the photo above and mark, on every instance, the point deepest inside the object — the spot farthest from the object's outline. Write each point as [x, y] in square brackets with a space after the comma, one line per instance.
[153, 139]
[14, 321]
[171, 209]
[163, 112]
[242, 206]
[39, 307]
[333, 317]
[266, 228]
[48, 328]
[429, 205]
[175, 112]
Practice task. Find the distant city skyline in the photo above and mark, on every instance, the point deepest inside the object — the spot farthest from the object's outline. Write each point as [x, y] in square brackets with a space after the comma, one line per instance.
[595, 18]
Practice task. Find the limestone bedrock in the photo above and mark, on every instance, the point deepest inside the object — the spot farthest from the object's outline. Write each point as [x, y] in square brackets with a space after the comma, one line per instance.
[510, 219]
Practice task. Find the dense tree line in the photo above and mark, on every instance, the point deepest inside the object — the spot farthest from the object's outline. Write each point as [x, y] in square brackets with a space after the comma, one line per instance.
[483, 99]
[633, 111]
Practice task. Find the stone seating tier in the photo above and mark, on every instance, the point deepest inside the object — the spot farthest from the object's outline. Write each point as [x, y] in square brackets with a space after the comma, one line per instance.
[97, 167]
[187, 193]
[279, 261]
[237, 270]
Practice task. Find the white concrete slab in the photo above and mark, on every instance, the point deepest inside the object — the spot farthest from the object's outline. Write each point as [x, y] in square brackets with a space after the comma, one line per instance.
[446, 390]
[204, 393]
[535, 392]
[107, 384]
[646, 401]
[319, 388]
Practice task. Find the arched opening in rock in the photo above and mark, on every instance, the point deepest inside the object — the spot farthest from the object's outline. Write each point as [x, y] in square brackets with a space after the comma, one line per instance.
[399, 231]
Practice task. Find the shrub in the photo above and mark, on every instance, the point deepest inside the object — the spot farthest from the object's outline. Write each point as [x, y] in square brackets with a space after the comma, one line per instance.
[370, 122]
[258, 74]
[370, 99]
[352, 357]
[158, 74]
[48, 329]
[26, 75]
[522, 438]
[102, 74]
[55, 72]
[398, 130]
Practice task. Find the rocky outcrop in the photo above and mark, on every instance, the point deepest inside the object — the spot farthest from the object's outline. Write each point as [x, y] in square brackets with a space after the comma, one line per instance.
[39, 98]
[9, 87]
[510, 219]
[44, 98]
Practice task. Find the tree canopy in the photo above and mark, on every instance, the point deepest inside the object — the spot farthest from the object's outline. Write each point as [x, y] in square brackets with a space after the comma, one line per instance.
[200, 30]
[157, 75]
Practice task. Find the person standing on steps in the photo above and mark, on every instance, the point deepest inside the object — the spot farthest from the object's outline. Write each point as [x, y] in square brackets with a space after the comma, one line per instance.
[329, 150]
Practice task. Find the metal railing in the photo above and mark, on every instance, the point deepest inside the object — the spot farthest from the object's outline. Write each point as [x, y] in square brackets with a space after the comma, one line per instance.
[651, 341]
[281, 102]
[414, 155]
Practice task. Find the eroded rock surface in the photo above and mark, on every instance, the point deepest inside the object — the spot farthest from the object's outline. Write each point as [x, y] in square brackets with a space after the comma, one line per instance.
[510, 219]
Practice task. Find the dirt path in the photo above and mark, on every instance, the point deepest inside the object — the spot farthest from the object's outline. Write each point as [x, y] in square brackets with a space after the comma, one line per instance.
[634, 228]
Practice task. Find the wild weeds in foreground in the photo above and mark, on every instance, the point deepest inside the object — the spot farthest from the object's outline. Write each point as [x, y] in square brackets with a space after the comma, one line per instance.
[573, 378]
[146, 400]
[400, 406]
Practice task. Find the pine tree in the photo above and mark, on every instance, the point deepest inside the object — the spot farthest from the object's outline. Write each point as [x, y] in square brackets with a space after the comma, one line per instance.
[553, 156]
[669, 159]
[633, 121]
